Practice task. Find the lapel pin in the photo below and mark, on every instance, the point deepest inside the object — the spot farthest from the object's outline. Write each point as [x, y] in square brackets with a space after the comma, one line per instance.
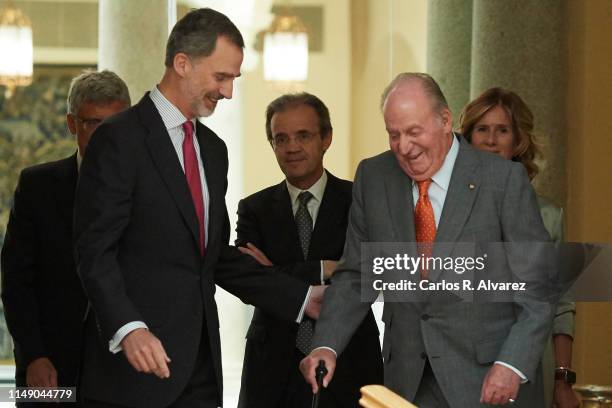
[471, 186]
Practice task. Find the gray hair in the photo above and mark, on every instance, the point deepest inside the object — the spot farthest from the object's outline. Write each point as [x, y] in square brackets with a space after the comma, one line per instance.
[196, 34]
[102, 88]
[430, 86]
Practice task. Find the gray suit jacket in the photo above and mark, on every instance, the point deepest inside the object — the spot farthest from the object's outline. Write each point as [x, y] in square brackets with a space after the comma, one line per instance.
[461, 340]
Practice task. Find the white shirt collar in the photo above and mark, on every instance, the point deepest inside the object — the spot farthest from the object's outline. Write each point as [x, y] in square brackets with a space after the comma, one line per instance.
[170, 114]
[443, 175]
[317, 189]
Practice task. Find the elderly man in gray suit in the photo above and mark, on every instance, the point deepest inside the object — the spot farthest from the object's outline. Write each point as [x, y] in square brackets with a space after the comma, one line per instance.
[433, 187]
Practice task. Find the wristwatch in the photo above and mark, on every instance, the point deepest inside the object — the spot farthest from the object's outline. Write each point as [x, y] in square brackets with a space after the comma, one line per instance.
[566, 374]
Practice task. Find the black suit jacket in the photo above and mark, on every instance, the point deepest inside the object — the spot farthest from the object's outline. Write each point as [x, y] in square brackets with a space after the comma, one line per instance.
[43, 300]
[266, 219]
[136, 235]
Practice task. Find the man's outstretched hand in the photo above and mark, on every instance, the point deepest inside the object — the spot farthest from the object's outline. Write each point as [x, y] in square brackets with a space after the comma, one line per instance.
[146, 353]
[309, 364]
[500, 385]
[315, 301]
[256, 253]
[41, 373]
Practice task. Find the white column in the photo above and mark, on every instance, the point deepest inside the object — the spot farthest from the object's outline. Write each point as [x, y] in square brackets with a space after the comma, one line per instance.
[132, 39]
[522, 46]
[234, 316]
[227, 122]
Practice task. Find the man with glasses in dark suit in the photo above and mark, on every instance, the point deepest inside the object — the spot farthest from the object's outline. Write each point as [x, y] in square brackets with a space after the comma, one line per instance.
[300, 222]
[43, 299]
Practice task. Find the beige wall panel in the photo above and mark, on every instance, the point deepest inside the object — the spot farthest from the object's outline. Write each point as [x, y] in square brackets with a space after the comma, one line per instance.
[589, 169]
[328, 78]
[389, 37]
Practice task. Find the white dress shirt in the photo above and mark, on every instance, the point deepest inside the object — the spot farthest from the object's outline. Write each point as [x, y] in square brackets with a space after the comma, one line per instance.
[317, 190]
[173, 120]
[313, 205]
[440, 182]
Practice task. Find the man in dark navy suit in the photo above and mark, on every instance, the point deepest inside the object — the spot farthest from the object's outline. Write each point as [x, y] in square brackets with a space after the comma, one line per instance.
[300, 222]
[152, 235]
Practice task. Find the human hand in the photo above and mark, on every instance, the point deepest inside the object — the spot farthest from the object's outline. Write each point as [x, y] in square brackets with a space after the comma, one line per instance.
[315, 301]
[41, 373]
[500, 385]
[146, 353]
[329, 267]
[256, 253]
[310, 363]
[564, 396]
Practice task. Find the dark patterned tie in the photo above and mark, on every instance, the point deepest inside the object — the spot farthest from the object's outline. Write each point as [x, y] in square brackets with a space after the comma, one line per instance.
[303, 222]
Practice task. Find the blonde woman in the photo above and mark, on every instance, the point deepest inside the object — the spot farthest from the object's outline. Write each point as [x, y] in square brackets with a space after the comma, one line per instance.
[498, 121]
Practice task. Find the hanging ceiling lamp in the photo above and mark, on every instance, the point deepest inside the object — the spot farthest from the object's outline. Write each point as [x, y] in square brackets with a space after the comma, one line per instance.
[285, 49]
[15, 48]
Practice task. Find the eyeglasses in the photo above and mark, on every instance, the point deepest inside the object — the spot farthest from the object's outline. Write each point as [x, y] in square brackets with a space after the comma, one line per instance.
[89, 123]
[302, 138]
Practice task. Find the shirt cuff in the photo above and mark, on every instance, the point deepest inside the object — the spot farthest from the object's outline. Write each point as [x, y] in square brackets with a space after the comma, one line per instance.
[114, 344]
[327, 348]
[322, 274]
[517, 371]
[303, 308]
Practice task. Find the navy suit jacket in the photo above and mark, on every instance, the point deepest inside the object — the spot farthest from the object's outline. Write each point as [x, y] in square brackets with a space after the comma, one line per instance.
[266, 219]
[138, 257]
[44, 303]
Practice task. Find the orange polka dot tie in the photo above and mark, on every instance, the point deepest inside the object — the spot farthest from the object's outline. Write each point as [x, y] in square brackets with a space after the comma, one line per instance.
[425, 223]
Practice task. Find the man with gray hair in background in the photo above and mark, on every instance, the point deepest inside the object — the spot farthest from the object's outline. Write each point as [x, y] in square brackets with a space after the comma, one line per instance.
[43, 300]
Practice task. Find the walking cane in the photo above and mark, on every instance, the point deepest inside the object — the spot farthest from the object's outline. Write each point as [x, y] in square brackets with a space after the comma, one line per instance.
[320, 372]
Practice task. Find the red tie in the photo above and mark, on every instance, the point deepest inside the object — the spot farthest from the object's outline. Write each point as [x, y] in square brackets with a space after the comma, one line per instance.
[192, 172]
[425, 223]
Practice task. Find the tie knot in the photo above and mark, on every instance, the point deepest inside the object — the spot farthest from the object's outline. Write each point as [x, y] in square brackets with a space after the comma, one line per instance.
[423, 186]
[304, 197]
[188, 129]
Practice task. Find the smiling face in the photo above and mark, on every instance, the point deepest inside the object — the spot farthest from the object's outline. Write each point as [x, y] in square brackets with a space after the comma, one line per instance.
[419, 137]
[300, 155]
[206, 80]
[493, 133]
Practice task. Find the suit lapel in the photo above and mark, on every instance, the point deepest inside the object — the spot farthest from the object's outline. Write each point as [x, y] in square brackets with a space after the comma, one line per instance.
[214, 180]
[399, 198]
[66, 175]
[462, 191]
[167, 163]
[286, 228]
[328, 217]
